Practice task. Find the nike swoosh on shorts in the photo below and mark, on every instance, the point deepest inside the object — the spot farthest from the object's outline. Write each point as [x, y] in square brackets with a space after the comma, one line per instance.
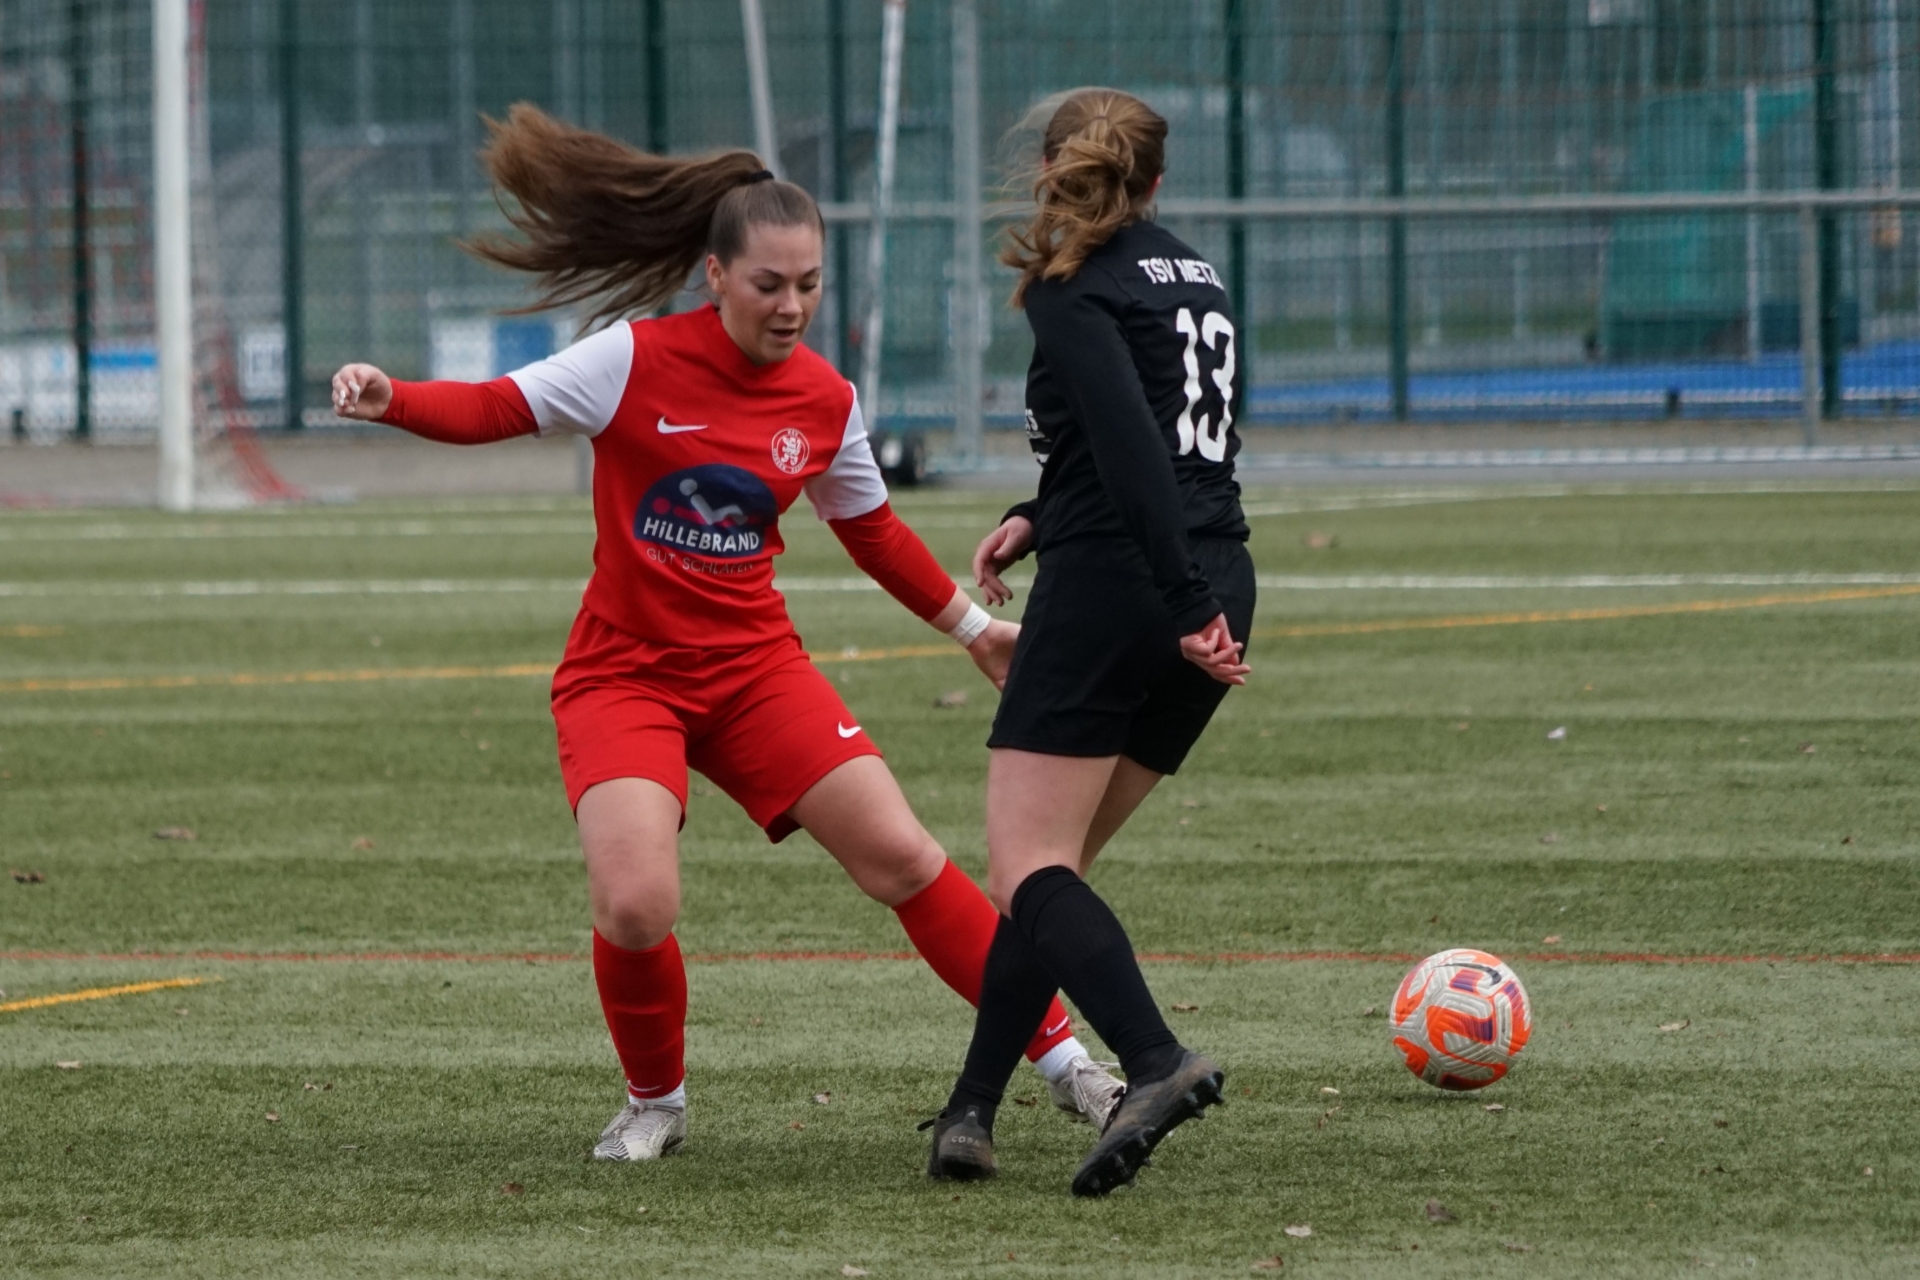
[669, 428]
[846, 732]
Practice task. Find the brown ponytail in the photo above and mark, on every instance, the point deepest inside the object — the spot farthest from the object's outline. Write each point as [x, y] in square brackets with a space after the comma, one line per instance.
[608, 224]
[1104, 149]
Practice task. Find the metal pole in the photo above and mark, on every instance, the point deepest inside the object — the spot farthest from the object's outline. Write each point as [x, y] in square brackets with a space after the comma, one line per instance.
[1826, 154]
[760, 85]
[172, 254]
[292, 218]
[1396, 226]
[1236, 31]
[969, 298]
[892, 46]
[653, 15]
[842, 248]
[78, 57]
[1750, 135]
[1810, 325]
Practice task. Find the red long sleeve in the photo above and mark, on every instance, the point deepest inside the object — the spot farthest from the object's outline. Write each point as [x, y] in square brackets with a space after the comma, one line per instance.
[892, 555]
[461, 412]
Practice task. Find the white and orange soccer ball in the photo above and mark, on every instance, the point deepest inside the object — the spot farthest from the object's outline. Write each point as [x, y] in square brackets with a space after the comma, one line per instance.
[1460, 1018]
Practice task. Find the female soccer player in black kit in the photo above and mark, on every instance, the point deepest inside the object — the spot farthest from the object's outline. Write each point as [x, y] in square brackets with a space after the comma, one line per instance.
[1136, 628]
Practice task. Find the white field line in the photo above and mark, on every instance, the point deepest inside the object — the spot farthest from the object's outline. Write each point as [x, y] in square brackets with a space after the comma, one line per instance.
[1572, 582]
[243, 588]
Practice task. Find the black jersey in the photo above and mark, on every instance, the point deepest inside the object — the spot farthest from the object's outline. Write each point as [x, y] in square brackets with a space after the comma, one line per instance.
[1131, 399]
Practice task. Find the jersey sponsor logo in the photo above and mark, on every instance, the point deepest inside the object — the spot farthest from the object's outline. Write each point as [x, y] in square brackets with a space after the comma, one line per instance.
[790, 450]
[674, 428]
[1180, 271]
[716, 511]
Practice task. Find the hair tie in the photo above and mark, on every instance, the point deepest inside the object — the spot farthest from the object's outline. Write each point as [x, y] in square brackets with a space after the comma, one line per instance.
[758, 175]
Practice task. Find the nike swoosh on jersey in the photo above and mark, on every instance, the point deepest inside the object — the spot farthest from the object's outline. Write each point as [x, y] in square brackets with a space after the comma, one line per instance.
[846, 732]
[669, 428]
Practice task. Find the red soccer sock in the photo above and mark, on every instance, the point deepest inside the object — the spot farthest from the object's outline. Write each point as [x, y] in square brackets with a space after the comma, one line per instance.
[951, 924]
[644, 995]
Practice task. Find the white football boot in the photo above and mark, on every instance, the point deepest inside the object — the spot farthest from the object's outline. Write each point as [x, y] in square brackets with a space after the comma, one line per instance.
[1089, 1090]
[643, 1131]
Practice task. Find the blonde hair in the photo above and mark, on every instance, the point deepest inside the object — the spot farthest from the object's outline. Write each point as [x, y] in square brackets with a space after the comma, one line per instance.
[1102, 151]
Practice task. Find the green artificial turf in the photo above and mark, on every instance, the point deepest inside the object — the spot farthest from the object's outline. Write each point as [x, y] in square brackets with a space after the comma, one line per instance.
[1731, 784]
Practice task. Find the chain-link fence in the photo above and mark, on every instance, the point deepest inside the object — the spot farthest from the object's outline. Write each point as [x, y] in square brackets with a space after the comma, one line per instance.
[335, 176]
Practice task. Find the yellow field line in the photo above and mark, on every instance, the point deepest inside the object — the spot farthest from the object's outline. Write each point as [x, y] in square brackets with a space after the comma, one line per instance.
[26, 631]
[91, 684]
[1580, 615]
[97, 993]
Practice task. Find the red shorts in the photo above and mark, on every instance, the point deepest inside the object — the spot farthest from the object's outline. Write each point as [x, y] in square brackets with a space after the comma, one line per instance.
[762, 722]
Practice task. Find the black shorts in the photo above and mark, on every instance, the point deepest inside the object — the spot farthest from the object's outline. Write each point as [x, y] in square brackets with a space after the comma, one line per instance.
[1098, 671]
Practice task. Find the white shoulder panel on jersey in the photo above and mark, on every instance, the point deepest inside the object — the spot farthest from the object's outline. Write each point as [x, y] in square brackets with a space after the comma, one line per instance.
[851, 485]
[577, 390]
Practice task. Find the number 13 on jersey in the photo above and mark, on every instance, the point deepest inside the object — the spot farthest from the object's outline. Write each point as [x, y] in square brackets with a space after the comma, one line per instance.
[1196, 433]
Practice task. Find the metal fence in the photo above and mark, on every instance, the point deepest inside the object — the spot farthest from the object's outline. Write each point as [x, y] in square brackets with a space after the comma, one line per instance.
[1447, 210]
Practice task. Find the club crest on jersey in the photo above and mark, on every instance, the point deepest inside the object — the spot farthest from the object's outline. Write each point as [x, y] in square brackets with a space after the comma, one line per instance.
[714, 510]
[790, 450]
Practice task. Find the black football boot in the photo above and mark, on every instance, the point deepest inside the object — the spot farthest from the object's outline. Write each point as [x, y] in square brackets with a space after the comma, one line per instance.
[1146, 1114]
[962, 1145]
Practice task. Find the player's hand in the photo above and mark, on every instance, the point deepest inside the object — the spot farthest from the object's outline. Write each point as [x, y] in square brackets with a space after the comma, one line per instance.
[1214, 650]
[992, 650]
[996, 551]
[361, 392]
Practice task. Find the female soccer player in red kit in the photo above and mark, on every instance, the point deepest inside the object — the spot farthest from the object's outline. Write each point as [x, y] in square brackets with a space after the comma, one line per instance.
[706, 426]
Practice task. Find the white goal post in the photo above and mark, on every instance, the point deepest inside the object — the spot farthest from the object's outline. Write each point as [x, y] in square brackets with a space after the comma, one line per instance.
[172, 254]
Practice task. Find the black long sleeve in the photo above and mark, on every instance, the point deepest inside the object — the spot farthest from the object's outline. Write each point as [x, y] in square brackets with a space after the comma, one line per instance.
[1079, 333]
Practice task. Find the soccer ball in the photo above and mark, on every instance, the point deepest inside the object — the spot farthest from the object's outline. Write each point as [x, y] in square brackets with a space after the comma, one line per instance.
[1460, 1018]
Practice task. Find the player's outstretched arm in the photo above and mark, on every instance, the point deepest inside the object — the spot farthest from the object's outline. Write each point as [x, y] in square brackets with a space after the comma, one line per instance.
[892, 554]
[451, 412]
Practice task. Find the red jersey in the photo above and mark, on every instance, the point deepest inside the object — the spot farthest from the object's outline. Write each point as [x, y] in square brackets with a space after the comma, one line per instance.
[697, 453]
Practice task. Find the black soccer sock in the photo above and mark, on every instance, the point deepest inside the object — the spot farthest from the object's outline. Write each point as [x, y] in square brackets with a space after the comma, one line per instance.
[1015, 990]
[1081, 943]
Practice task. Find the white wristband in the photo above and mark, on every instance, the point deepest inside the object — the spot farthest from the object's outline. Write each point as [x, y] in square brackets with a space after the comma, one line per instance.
[971, 624]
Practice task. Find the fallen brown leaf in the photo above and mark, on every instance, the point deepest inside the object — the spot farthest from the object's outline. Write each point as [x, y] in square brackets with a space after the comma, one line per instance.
[795, 1124]
[1370, 1011]
[28, 877]
[1186, 1008]
[823, 1098]
[1557, 734]
[1326, 1115]
[67, 1066]
[1268, 1264]
[174, 833]
[1299, 1231]
[1026, 1102]
[951, 698]
[851, 1270]
[1494, 1106]
[273, 1117]
[1437, 1212]
[1463, 725]
[1720, 1122]
[1867, 1172]
[512, 1189]
[1846, 840]
[1599, 808]
[363, 843]
[1551, 837]
[1321, 541]
[1681, 1025]
[1550, 939]
[1807, 748]
[1514, 1246]
[1329, 1089]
